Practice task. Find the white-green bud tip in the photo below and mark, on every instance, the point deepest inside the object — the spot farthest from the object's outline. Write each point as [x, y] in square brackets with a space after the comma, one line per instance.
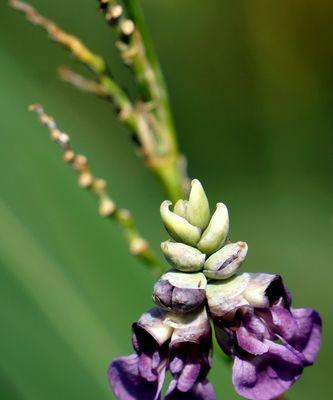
[216, 232]
[183, 257]
[226, 261]
[178, 227]
[180, 208]
[198, 212]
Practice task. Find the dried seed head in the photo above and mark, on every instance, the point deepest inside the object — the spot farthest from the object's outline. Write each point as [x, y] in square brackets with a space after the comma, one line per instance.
[69, 155]
[138, 246]
[106, 208]
[63, 139]
[85, 179]
[55, 134]
[100, 184]
[80, 161]
[127, 27]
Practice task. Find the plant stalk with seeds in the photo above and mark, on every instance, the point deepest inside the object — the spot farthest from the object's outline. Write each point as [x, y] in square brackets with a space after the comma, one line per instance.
[138, 246]
[150, 117]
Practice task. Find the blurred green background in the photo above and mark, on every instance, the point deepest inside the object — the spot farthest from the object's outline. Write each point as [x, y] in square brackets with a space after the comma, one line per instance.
[251, 84]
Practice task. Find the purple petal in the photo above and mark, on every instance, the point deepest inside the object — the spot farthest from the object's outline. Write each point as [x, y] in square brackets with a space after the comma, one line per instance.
[128, 384]
[308, 336]
[281, 322]
[190, 352]
[264, 290]
[188, 376]
[250, 342]
[200, 391]
[151, 330]
[253, 323]
[186, 300]
[146, 368]
[225, 338]
[278, 293]
[267, 376]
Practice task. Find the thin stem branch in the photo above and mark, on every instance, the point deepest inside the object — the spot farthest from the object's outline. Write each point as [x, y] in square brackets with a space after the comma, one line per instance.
[81, 82]
[136, 50]
[138, 246]
[150, 118]
[84, 55]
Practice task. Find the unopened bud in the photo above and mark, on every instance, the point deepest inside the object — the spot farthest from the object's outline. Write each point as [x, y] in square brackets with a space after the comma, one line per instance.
[216, 232]
[180, 292]
[180, 208]
[178, 227]
[183, 257]
[198, 212]
[226, 261]
[225, 296]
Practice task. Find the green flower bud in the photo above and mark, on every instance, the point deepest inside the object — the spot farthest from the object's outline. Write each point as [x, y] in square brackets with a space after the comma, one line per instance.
[178, 227]
[216, 232]
[198, 212]
[180, 208]
[183, 257]
[225, 262]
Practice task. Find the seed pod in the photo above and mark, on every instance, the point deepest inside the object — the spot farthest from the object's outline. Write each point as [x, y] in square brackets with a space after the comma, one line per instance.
[216, 232]
[198, 212]
[180, 208]
[183, 257]
[180, 292]
[180, 229]
[225, 262]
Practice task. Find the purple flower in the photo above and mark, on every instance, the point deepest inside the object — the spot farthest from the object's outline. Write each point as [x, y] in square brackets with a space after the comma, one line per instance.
[190, 359]
[270, 342]
[165, 341]
[180, 292]
[141, 375]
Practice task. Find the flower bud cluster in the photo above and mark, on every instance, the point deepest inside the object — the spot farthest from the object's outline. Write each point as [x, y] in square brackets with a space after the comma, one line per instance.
[254, 323]
[199, 250]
